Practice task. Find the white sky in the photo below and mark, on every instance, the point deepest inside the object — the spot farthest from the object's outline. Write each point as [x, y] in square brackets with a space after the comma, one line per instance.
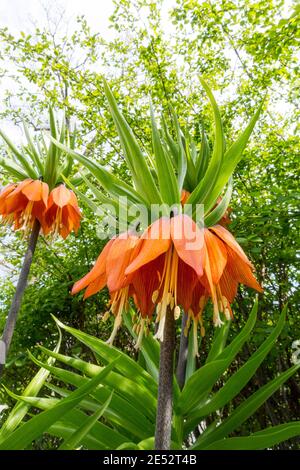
[20, 14]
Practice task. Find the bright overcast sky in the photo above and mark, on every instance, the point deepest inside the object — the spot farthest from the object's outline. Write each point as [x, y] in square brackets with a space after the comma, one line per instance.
[19, 14]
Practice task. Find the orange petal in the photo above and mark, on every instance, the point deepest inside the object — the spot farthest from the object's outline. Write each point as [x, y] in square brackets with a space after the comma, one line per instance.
[145, 281]
[50, 215]
[188, 241]
[119, 258]
[97, 271]
[60, 196]
[217, 255]
[38, 210]
[7, 190]
[241, 271]
[4, 193]
[154, 242]
[199, 291]
[73, 202]
[33, 190]
[15, 202]
[186, 281]
[45, 193]
[229, 240]
[228, 286]
[64, 231]
[73, 216]
[95, 286]
[22, 185]
[69, 220]
[206, 279]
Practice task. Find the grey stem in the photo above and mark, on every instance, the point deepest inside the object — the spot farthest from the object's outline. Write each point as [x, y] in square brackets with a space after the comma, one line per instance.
[183, 354]
[165, 386]
[16, 301]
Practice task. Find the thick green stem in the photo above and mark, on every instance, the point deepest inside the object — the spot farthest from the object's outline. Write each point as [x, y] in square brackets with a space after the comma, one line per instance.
[165, 386]
[16, 302]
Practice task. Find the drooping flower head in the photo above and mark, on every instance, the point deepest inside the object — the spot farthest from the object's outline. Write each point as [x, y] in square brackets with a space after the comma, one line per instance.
[174, 265]
[63, 214]
[23, 203]
[40, 170]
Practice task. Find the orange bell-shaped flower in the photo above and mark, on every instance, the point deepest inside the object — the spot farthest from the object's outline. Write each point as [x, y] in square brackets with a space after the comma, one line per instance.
[23, 203]
[63, 214]
[173, 265]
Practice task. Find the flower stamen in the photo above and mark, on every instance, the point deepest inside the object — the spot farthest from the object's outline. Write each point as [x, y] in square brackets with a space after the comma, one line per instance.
[118, 306]
[169, 295]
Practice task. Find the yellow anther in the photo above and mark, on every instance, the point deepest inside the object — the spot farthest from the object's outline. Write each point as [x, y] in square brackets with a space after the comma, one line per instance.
[176, 312]
[105, 316]
[227, 314]
[155, 296]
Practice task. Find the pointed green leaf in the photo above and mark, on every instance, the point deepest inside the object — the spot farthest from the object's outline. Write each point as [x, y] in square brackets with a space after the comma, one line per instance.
[135, 159]
[238, 380]
[173, 147]
[204, 188]
[13, 168]
[82, 196]
[165, 172]
[218, 212]
[51, 165]
[32, 429]
[219, 341]
[32, 389]
[109, 182]
[191, 358]
[77, 437]
[201, 382]
[203, 157]
[120, 413]
[125, 386]
[99, 436]
[247, 408]
[149, 347]
[231, 159]
[36, 157]
[181, 162]
[20, 157]
[108, 353]
[260, 440]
